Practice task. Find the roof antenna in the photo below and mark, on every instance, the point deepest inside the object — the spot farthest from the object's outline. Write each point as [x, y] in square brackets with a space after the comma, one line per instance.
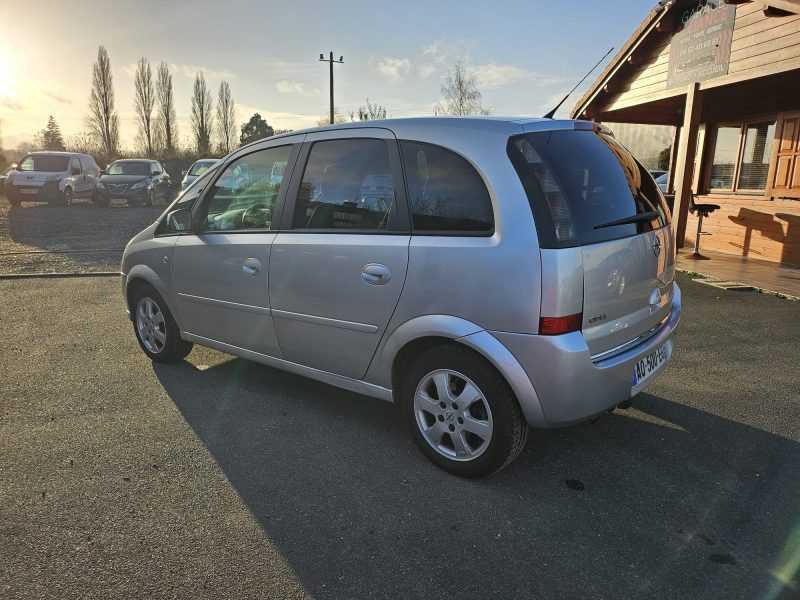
[552, 112]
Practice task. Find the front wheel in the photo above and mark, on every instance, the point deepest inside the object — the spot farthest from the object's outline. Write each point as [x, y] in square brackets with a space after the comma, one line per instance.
[461, 412]
[156, 329]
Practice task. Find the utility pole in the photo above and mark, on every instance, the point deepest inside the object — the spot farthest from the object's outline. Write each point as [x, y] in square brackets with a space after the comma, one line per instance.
[331, 61]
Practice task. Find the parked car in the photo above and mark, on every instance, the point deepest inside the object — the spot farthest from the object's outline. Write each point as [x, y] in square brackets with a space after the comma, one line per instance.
[484, 274]
[3, 177]
[656, 173]
[196, 170]
[132, 181]
[661, 181]
[54, 177]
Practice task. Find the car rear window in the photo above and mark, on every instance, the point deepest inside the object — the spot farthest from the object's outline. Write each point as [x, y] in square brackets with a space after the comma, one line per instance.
[44, 163]
[579, 181]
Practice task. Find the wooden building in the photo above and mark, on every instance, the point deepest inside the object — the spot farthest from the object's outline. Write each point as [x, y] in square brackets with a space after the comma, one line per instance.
[727, 75]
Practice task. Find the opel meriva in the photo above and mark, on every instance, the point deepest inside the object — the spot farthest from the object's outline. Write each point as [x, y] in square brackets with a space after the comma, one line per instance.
[485, 274]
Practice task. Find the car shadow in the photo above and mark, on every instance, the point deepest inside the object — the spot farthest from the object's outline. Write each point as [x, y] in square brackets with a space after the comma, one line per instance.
[663, 500]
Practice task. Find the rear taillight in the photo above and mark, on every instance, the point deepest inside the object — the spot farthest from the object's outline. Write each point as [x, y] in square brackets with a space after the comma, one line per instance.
[559, 325]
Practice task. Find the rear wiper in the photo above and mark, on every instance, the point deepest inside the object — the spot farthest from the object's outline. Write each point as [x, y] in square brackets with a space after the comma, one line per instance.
[645, 216]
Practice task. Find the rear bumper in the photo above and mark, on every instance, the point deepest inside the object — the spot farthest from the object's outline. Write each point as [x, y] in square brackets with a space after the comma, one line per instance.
[569, 386]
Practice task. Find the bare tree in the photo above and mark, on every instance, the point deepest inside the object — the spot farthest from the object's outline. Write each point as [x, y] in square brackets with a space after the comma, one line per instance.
[202, 119]
[460, 94]
[166, 127]
[226, 119]
[103, 121]
[338, 118]
[369, 112]
[145, 99]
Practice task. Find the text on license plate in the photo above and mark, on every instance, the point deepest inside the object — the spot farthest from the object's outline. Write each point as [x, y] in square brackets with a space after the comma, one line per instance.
[118, 201]
[648, 365]
[29, 191]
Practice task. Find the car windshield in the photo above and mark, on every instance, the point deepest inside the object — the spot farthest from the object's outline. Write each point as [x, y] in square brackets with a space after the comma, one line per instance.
[662, 178]
[44, 163]
[200, 167]
[129, 168]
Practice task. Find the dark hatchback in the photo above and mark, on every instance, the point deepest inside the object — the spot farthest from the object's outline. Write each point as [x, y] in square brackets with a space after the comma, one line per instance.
[132, 182]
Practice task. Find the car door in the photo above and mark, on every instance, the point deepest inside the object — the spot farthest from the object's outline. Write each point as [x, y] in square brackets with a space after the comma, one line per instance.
[87, 177]
[159, 178]
[221, 271]
[339, 262]
[77, 172]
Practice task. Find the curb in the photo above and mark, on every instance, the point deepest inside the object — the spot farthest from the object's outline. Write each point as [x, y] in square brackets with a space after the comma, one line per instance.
[760, 290]
[58, 275]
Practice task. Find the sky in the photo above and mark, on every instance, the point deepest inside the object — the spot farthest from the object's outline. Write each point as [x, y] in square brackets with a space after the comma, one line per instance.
[526, 54]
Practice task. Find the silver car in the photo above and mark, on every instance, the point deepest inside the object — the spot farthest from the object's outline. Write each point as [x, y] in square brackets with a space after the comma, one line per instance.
[196, 170]
[483, 274]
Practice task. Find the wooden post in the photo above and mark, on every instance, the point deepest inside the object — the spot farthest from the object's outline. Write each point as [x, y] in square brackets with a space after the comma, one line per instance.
[673, 160]
[684, 167]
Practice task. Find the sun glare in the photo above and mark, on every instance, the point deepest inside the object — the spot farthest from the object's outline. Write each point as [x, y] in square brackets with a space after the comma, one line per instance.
[6, 88]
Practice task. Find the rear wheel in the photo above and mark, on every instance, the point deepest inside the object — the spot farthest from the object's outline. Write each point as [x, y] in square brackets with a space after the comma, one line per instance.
[13, 199]
[150, 199]
[156, 329]
[66, 197]
[461, 412]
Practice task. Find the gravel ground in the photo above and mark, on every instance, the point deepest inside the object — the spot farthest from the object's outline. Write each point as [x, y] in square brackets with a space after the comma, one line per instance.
[37, 238]
[219, 478]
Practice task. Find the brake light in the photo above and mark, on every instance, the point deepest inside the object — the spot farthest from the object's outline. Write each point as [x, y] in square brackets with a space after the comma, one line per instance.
[560, 325]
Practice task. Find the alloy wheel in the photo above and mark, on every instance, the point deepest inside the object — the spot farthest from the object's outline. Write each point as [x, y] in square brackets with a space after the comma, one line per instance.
[453, 415]
[151, 325]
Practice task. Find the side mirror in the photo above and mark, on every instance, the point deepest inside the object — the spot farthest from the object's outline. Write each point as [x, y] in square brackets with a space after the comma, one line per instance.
[18, 167]
[184, 173]
[102, 172]
[179, 220]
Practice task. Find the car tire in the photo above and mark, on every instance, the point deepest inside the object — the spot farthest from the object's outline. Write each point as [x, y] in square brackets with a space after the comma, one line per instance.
[66, 196]
[155, 327]
[473, 432]
[150, 201]
[13, 199]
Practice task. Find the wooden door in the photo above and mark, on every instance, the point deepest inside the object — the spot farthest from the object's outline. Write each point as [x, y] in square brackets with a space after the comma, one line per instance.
[786, 183]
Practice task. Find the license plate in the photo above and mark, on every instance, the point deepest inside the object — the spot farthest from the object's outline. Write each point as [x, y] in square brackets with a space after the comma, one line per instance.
[648, 365]
[118, 201]
[29, 191]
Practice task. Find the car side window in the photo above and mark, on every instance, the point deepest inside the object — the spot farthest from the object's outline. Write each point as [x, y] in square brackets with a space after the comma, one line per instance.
[244, 195]
[155, 169]
[75, 165]
[446, 193]
[347, 184]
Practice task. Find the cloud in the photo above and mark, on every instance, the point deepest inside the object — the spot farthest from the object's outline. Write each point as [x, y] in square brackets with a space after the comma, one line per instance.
[9, 103]
[434, 53]
[426, 70]
[493, 75]
[394, 68]
[191, 70]
[295, 87]
[61, 98]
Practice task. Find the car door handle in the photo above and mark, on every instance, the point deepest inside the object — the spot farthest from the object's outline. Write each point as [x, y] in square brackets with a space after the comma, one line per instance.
[251, 266]
[376, 274]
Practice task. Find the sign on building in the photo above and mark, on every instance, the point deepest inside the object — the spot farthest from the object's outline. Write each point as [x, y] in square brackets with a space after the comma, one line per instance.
[701, 44]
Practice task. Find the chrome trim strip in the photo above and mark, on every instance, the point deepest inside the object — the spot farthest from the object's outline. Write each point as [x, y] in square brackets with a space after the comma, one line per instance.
[351, 325]
[630, 343]
[353, 385]
[259, 310]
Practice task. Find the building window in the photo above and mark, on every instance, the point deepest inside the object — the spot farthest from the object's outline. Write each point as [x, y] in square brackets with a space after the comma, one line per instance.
[740, 160]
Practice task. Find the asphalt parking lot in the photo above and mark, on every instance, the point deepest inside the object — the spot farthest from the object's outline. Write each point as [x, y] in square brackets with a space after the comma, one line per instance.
[221, 478]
